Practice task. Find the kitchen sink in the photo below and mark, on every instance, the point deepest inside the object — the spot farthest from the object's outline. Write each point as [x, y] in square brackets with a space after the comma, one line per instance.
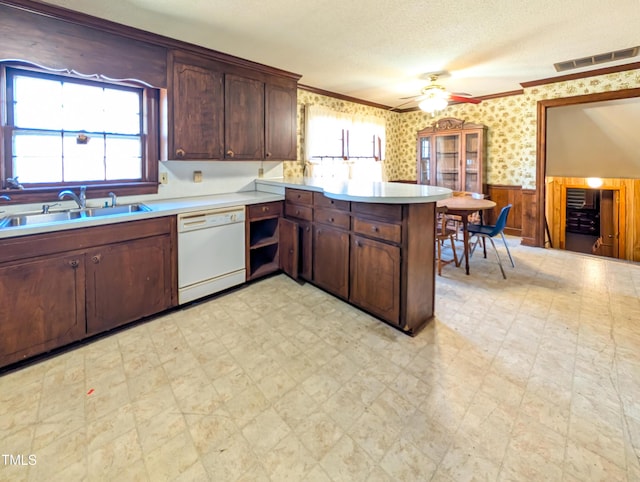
[26, 219]
[110, 211]
[62, 216]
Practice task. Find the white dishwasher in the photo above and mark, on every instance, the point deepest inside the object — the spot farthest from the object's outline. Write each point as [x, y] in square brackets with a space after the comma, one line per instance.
[211, 252]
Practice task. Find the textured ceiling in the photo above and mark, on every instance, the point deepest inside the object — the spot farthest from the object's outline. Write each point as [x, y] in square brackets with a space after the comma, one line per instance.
[377, 50]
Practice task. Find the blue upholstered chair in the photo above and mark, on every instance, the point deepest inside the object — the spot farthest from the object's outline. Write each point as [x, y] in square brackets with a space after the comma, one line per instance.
[485, 231]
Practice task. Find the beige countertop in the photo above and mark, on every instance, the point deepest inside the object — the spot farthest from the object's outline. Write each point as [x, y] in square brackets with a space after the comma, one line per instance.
[267, 190]
[165, 207]
[372, 192]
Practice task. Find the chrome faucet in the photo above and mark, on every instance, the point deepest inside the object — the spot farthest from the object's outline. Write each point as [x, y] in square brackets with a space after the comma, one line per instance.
[80, 200]
[45, 207]
[112, 195]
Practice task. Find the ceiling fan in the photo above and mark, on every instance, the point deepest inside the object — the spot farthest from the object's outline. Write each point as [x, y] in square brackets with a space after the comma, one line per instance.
[434, 97]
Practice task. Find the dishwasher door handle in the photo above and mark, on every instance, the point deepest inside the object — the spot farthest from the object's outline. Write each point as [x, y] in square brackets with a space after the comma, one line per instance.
[192, 223]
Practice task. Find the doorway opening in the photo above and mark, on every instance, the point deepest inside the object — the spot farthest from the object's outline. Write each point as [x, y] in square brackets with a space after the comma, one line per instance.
[582, 211]
[592, 221]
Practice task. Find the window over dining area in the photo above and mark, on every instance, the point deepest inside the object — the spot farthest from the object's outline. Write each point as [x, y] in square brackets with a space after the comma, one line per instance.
[344, 146]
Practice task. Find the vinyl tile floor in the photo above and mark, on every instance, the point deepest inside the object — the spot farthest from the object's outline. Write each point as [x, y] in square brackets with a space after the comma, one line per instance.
[533, 378]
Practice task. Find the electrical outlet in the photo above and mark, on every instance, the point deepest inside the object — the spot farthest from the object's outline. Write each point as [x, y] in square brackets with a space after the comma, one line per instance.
[164, 178]
[260, 172]
[197, 176]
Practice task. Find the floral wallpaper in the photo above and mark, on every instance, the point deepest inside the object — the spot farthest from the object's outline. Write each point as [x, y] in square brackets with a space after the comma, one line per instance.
[511, 122]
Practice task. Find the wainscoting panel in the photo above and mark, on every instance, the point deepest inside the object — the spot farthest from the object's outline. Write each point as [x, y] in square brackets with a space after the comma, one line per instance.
[503, 195]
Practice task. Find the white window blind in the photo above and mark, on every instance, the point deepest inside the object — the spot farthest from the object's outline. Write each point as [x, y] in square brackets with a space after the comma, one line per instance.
[344, 146]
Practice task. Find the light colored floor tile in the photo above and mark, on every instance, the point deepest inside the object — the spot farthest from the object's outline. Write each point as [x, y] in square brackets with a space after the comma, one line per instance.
[532, 378]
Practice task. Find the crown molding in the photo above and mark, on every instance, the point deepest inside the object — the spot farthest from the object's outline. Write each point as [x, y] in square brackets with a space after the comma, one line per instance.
[335, 95]
[582, 75]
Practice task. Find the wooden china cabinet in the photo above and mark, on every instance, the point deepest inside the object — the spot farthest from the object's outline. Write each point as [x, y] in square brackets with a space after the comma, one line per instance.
[451, 154]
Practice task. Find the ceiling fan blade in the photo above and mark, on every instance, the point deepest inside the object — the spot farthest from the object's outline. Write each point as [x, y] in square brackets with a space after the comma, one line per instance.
[459, 98]
[411, 97]
[403, 104]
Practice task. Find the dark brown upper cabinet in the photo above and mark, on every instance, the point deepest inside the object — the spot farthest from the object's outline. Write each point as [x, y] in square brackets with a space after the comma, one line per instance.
[243, 118]
[196, 109]
[281, 121]
[221, 111]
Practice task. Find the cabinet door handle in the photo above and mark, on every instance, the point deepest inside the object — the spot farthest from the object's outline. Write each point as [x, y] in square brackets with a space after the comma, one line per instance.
[358, 244]
[180, 153]
[374, 229]
[297, 211]
[96, 259]
[331, 220]
[230, 153]
[268, 154]
[308, 229]
[265, 209]
[74, 263]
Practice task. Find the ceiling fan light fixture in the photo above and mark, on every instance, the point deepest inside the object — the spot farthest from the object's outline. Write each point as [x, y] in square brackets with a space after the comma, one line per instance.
[435, 100]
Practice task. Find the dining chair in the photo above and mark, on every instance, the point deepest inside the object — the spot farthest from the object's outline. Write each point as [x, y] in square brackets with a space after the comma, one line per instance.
[443, 233]
[486, 231]
[455, 221]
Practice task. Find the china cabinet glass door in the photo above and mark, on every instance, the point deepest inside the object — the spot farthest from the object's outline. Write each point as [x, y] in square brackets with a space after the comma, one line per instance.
[424, 166]
[471, 163]
[447, 161]
[451, 154]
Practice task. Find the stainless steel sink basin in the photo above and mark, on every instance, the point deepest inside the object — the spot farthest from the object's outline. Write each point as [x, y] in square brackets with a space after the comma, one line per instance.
[25, 219]
[110, 211]
[61, 216]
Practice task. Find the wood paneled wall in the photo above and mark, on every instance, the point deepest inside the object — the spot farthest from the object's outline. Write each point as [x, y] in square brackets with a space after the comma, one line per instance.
[529, 218]
[502, 196]
[522, 219]
[57, 44]
[629, 210]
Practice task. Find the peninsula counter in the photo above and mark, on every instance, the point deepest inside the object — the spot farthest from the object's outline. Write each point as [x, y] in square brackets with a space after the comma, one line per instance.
[371, 244]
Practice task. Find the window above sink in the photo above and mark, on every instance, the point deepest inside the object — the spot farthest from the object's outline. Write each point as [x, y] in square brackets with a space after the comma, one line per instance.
[67, 130]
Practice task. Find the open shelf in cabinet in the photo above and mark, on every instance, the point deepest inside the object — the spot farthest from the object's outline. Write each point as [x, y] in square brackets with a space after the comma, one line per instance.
[263, 232]
[263, 260]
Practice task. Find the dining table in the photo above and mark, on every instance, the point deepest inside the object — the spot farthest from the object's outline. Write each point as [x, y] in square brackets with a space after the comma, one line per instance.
[464, 206]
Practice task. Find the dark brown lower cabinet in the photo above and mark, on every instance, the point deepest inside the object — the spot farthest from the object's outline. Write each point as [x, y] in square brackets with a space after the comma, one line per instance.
[289, 249]
[41, 305]
[375, 277]
[127, 281]
[377, 256]
[331, 260]
[305, 250]
[262, 239]
[60, 287]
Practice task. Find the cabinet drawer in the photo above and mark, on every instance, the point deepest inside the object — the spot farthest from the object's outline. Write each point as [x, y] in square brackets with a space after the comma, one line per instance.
[388, 212]
[265, 209]
[375, 229]
[298, 196]
[323, 201]
[332, 217]
[298, 211]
